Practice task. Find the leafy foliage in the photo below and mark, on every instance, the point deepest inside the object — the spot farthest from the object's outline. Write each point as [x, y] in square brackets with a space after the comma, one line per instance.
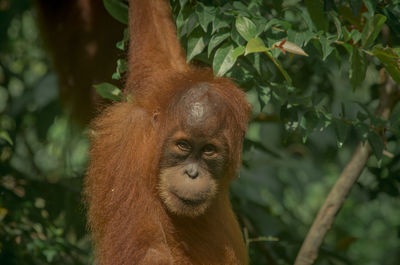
[42, 158]
[250, 36]
[118, 10]
[108, 91]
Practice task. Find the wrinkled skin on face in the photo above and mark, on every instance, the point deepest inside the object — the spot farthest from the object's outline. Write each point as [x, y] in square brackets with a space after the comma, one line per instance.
[194, 156]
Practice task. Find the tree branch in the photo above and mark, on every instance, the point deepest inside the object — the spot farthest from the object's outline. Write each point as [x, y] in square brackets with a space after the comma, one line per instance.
[389, 96]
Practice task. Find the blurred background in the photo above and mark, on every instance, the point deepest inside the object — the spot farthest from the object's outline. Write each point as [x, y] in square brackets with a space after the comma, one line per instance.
[282, 184]
[42, 153]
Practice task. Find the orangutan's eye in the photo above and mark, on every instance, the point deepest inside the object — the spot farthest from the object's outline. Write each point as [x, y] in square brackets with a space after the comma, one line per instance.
[183, 145]
[209, 150]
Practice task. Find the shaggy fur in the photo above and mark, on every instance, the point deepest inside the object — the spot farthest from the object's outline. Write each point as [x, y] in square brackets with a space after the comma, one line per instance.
[129, 222]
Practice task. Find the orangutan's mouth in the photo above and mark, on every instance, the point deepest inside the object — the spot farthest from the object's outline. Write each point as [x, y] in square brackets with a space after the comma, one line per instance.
[187, 201]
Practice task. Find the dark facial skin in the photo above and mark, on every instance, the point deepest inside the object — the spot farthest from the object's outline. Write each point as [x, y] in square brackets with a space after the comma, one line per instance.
[194, 156]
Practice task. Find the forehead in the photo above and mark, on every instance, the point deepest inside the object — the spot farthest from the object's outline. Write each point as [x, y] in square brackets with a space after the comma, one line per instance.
[218, 139]
[200, 110]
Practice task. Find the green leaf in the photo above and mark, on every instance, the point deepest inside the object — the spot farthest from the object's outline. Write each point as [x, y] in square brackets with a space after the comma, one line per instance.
[372, 29]
[264, 95]
[348, 47]
[118, 9]
[272, 22]
[246, 28]
[355, 36]
[316, 10]
[309, 122]
[365, 108]
[182, 3]
[255, 62]
[108, 91]
[235, 36]
[216, 40]
[50, 254]
[376, 143]
[346, 34]
[5, 136]
[326, 47]
[370, 5]
[342, 130]
[219, 22]
[116, 76]
[390, 60]
[190, 24]
[238, 51]
[180, 22]
[205, 15]
[306, 36]
[223, 60]
[280, 93]
[358, 67]
[362, 130]
[239, 6]
[305, 132]
[196, 44]
[337, 23]
[260, 23]
[121, 44]
[255, 45]
[122, 67]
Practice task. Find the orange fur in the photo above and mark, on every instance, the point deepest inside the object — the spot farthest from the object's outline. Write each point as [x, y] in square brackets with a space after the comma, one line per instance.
[129, 222]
